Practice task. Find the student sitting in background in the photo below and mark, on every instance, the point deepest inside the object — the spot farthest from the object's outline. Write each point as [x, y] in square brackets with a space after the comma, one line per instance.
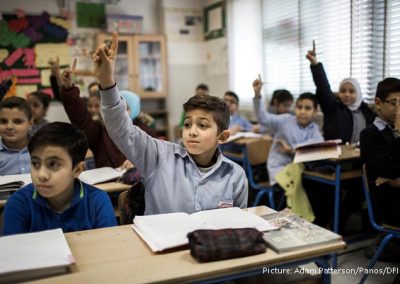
[57, 198]
[345, 115]
[289, 130]
[105, 153]
[281, 102]
[201, 89]
[39, 103]
[15, 122]
[188, 179]
[380, 151]
[237, 122]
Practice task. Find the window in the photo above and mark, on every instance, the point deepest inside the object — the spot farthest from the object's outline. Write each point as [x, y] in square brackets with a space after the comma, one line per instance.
[357, 38]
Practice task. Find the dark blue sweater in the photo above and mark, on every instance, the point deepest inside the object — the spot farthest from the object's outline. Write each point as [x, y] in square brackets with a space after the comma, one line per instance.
[26, 211]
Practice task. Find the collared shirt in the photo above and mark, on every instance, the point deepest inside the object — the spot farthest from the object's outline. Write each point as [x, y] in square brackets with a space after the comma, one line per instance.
[236, 119]
[27, 211]
[285, 127]
[172, 180]
[380, 123]
[359, 124]
[14, 161]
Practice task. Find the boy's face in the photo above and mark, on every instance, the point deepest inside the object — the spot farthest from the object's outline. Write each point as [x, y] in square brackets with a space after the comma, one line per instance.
[283, 107]
[14, 127]
[37, 108]
[52, 173]
[93, 106]
[305, 111]
[387, 108]
[347, 94]
[231, 103]
[200, 135]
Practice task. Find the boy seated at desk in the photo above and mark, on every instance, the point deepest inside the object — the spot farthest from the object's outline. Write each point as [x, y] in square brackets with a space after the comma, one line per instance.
[188, 179]
[380, 151]
[15, 123]
[237, 122]
[56, 198]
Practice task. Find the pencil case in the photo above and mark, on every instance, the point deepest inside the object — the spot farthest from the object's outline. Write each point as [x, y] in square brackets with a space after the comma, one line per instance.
[211, 245]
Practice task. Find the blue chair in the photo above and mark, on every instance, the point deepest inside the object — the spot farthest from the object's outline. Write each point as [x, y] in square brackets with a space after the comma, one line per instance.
[256, 153]
[390, 231]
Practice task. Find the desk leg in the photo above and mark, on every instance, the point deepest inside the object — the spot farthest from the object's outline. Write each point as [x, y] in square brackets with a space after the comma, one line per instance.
[336, 217]
[323, 263]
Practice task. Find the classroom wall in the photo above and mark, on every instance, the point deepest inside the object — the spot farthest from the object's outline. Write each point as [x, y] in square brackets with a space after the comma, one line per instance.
[187, 65]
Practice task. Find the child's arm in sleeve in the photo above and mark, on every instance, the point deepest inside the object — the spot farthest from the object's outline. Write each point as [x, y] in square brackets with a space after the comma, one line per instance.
[15, 216]
[142, 150]
[323, 93]
[241, 192]
[264, 118]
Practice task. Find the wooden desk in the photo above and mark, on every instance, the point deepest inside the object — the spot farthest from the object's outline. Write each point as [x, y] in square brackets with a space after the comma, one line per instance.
[108, 187]
[118, 255]
[335, 178]
[241, 143]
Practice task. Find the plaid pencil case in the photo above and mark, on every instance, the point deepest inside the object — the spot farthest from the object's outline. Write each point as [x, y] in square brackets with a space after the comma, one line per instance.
[210, 245]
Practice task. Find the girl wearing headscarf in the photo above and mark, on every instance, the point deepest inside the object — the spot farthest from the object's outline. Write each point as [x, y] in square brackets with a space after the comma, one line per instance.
[345, 115]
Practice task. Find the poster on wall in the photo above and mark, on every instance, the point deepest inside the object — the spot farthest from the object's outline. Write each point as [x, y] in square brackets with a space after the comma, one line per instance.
[27, 42]
[214, 21]
[183, 24]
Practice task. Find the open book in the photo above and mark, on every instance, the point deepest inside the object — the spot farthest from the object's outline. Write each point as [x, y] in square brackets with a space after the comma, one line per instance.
[34, 255]
[165, 231]
[317, 151]
[295, 233]
[100, 175]
[11, 183]
[239, 135]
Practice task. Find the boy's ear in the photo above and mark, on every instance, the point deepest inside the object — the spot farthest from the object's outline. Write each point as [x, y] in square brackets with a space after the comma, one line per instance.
[378, 103]
[223, 137]
[80, 167]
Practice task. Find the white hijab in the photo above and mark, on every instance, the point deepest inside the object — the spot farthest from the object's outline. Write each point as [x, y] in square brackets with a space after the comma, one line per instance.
[357, 88]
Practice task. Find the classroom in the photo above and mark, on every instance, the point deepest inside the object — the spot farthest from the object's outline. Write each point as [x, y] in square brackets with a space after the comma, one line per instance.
[200, 141]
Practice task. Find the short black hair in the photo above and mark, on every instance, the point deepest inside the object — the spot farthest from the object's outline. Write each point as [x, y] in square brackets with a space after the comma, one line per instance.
[233, 95]
[19, 103]
[216, 106]
[43, 98]
[281, 96]
[308, 96]
[202, 87]
[97, 93]
[63, 135]
[386, 87]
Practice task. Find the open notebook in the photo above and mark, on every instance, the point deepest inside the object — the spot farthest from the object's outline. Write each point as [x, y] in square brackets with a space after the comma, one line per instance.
[166, 231]
[308, 152]
[100, 175]
[34, 255]
[239, 135]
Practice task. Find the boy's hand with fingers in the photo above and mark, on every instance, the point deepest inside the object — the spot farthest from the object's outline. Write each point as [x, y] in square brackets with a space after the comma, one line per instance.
[257, 86]
[284, 147]
[66, 78]
[312, 55]
[104, 62]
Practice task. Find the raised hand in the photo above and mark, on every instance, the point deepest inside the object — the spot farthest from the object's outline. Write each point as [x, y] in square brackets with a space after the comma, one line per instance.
[104, 62]
[312, 55]
[66, 78]
[55, 69]
[257, 86]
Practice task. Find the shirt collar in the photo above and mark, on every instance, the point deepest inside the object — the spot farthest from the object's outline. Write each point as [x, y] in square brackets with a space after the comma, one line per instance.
[380, 123]
[79, 194]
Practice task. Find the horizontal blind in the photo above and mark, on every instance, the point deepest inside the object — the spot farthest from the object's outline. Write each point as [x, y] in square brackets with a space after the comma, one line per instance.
[392, 59]
[367, 57]
[281, 46]
[244, 47]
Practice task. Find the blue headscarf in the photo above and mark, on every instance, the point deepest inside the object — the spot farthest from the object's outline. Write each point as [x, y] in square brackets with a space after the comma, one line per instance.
[133, 102]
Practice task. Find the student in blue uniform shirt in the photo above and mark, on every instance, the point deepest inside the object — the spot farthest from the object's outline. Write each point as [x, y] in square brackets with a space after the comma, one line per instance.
[188, 179]
[237, 122]
[15, 123]
[57, 198]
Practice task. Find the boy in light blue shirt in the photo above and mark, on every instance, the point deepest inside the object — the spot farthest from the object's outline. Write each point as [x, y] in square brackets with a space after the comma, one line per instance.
[289, 130]
[188, 179]
[237, 122]
[15, 123]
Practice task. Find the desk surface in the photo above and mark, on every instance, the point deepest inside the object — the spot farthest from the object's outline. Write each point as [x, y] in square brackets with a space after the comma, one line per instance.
[118, 255]
[108, 187]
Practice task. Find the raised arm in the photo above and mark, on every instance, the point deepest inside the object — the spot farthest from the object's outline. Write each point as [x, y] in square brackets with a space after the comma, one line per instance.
[264, 118]
[144, 151]
[324, 94]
